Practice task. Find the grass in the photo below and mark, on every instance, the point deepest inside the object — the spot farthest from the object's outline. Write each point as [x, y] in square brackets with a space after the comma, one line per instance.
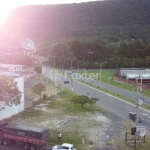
[106, 73]
[66, 104]
[130, 146]
[133, 101]
[50, 90]
[70, 137]
[72, 133]
[62, 103]
[74, 136]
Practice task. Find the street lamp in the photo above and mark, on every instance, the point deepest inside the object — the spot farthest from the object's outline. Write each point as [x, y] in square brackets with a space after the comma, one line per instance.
[100, 72]
[78, 63]
[54, 68]
[89, 52]
[140, 76]
[54, 60]
[84, 64]
[71, 59]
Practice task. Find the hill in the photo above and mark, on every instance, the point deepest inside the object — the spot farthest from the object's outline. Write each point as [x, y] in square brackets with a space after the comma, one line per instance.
[112, 20]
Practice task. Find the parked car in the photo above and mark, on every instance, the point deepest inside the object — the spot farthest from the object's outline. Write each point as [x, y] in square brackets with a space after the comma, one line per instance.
[132, 115]
[64, 146]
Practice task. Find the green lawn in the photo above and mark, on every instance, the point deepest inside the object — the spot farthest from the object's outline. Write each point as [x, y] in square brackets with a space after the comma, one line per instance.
[107, 73]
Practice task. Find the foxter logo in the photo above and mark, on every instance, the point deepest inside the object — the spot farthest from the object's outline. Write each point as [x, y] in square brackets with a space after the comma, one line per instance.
[55, 75]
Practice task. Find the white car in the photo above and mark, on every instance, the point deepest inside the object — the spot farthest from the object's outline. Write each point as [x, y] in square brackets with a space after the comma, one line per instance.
[64, 146]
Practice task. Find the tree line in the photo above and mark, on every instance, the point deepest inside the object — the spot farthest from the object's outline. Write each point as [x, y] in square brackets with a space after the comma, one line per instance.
[131, 53]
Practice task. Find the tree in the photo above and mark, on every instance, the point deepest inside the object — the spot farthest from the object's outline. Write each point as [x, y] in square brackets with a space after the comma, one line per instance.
[38, 88]
[38, 69]
[82, 99]
[9, 91]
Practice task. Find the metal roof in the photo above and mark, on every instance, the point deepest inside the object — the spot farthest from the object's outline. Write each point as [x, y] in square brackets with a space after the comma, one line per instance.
[24, 127]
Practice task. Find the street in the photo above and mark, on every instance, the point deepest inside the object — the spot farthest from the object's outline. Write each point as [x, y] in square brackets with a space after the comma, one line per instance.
[120, 91]
[109, 102]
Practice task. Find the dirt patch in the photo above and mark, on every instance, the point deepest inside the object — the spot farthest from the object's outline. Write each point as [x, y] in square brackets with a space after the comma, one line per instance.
[50, 89]
[99, 129]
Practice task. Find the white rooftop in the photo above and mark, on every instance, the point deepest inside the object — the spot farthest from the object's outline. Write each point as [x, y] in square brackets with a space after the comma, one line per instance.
[10, 74]
[10, 65]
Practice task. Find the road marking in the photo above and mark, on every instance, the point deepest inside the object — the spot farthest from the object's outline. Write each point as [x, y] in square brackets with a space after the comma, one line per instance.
[145, 114]
[110, 95]
[129, 109]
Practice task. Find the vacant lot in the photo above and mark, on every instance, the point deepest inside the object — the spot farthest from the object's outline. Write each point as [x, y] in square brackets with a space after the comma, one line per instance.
[89, 128]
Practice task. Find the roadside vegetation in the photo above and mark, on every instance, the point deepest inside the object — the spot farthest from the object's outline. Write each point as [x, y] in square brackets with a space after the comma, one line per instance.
[106, 73]
[89, 125]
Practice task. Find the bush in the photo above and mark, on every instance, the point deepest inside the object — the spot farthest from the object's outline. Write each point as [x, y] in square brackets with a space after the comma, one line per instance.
[45, 96]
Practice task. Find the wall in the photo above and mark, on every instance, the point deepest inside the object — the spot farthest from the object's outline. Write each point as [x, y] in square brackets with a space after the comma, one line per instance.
[10, 111]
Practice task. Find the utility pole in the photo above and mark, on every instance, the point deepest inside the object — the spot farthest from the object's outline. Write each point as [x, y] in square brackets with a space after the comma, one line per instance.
[137, 105]
[100, 72]
[141, 89]
[78, 65]
[71, 74]
[84, 64]
[54, 70]
[139, 102]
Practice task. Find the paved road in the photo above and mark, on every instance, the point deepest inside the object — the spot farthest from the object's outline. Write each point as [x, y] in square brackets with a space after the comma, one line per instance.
[120, 91]
[110, 103]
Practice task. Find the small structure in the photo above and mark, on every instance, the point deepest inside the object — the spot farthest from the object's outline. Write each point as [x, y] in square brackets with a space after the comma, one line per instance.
[11, 67]
[19, 69]
[136, 74]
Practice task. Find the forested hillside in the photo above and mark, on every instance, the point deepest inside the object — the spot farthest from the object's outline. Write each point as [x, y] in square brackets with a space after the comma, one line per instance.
[109, 26]
[91, 18]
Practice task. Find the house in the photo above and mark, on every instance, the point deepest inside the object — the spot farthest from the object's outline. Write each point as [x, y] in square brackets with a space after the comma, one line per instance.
[10, 67]
[8, 111]
[18, 69]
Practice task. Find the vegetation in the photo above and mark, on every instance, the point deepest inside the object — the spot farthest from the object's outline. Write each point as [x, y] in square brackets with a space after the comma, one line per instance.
[38, 69]
[106, 73]
[114, 31]
[38, 88]
[9, 91]
[82, 99]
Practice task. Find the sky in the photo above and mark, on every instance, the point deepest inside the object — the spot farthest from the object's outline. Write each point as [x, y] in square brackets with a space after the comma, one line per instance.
[6, 5]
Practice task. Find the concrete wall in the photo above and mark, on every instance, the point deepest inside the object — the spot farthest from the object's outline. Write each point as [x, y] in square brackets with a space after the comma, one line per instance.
[10, 111]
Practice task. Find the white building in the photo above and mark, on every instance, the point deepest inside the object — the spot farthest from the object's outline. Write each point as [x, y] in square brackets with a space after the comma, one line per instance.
[18, 69]
[10, 67]
[5, 110]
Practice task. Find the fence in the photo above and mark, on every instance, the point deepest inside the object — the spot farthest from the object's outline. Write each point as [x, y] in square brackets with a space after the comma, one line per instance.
[130, 82]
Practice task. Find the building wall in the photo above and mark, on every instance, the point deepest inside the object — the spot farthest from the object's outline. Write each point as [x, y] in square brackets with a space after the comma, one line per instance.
[12, 68]
[10, 111]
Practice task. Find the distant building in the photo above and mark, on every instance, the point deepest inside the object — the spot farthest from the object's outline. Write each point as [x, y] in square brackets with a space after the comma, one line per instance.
[17, 69]
[134, 73]
[10, 67]
[138, 74]
[5, 110]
